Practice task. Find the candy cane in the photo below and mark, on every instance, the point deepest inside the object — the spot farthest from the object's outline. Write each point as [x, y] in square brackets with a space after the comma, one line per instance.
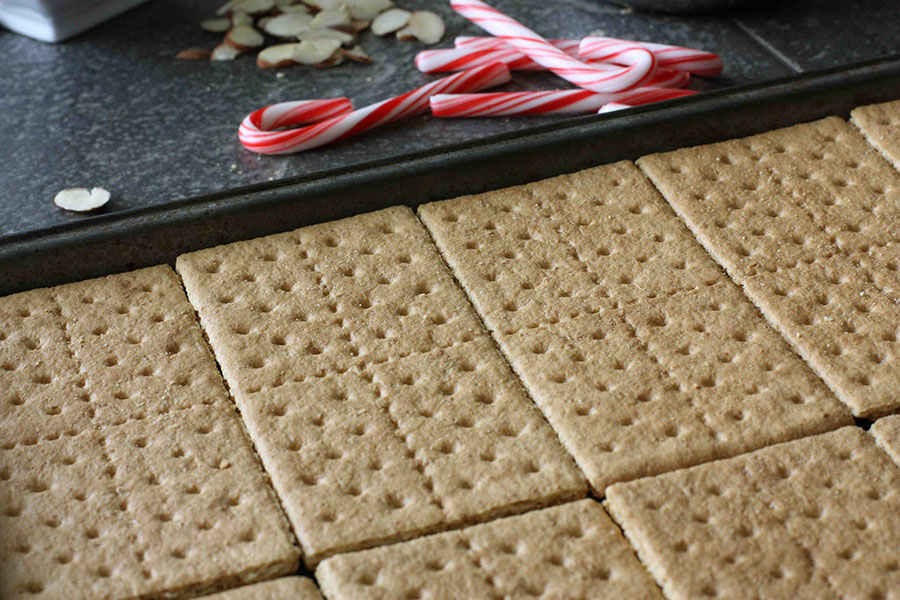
[254, 138]
[466, 57]
[642, 62]
[612, 107]
[472, 42]
[258, 124]
[698, 62]
[542, 103]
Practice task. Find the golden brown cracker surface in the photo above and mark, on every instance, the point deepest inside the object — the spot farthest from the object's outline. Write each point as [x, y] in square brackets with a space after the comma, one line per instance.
[375, 397]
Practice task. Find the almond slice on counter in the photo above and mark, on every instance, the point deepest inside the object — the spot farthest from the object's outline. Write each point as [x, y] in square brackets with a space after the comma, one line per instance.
[368, 9]
[288, 25]
[253, 7]
[424, 26]
[332, 61]
[218, 25]
[313, 52]
[324, 4]
[241, 18]
[279, 55]
[360, 25]
[331, 17]
[390, 21]
[357, 54]
[244, 37]
[226, 8]
[81, 200]
[224, 52]
[194, 54]
[329, 33]
[295, 8]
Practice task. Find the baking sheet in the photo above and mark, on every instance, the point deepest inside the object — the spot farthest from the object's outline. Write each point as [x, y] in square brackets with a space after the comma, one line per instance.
[131, 239]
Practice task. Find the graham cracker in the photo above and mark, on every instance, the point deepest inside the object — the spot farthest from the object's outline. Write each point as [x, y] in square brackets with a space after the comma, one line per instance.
[405, 420]
[42, 393]
[568, 551]
[887, 433]
[880, 123]
[815, 517]
[135, 498]
[636, 346]
[805, 219]
[286, 588]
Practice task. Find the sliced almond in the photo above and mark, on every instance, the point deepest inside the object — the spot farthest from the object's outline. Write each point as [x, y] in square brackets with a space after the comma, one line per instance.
[81, 200]
[390, 21]
[357, 54]
[255, 7]
[359, 26]
[312, 52]
[279, 55]
[331, 17]
[194, 54]
[261, 22]
[219, 25]
[226, 8]
[295, 8]
[329, 33]
[424, 26]
[244, 37]
[368, 9]
[288, 25]
[324, 4]
[239, 17]
[224, 52]
[332, 61]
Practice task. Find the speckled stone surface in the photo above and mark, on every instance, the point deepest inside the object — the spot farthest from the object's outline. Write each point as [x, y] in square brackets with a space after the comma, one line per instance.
[112, 107]
[817, 34]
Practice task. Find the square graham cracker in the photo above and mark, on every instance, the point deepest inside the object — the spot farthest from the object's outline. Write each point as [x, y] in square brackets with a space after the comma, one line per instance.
[817, 517]
[880, 123]
[805, 219]
[134, 497]
[639, 350]
[887, 433]
[376, 400]
[569, 551]
[286, 588]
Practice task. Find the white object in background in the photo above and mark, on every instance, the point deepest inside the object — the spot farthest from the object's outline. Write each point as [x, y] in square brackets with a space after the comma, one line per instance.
[57, 20]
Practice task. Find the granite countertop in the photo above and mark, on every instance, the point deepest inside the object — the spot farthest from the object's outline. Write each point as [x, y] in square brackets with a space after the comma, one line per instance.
[113, 108]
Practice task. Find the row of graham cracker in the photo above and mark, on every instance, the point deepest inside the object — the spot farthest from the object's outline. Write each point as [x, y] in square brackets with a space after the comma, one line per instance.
[324, 335]
[125, 471]
[640, 351]
[377, 402]
[805, 220]
[817, 517]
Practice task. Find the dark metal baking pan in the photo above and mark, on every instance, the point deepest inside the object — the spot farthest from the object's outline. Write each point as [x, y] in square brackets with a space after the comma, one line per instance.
[132, 239]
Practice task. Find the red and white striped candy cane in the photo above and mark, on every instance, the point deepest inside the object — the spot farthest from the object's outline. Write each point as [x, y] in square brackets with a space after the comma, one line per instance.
[543, 103]
[464, 57]
[642, 62]
[613, 107]
[454, 59]
[570, 47]
[259, 124]
[253, 136]
[698, 62]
